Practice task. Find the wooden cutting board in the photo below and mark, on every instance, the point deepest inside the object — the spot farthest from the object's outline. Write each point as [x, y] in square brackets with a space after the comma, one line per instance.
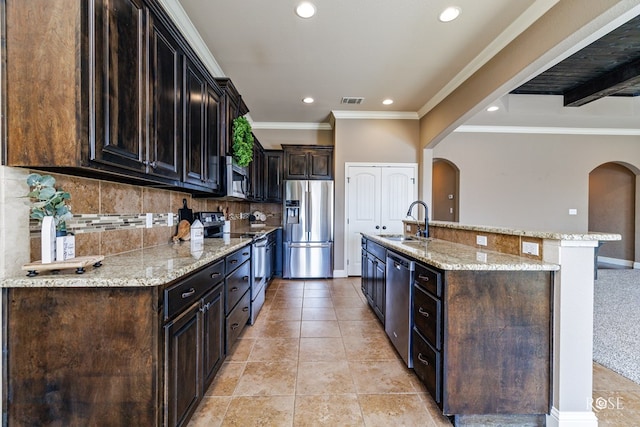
[79, 263]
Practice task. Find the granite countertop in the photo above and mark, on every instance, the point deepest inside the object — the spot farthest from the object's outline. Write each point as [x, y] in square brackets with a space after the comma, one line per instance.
[455, 256]
[154, 266]
[588, 236]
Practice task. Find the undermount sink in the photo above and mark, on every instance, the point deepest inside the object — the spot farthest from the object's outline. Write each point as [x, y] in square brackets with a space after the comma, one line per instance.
[397, 238]
[406, 239]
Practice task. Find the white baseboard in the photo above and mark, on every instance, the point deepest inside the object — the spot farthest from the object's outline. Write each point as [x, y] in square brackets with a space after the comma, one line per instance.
[340, 273]
[617, 261]
[571, 419]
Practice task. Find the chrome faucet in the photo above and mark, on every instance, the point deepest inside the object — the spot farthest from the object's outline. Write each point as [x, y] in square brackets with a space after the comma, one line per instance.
[424, 233]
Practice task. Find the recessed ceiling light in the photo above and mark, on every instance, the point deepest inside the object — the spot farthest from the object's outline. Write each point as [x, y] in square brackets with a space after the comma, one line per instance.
[307, 100]
[449, 14]
[493, 108]
[305, 9]
[387, 101]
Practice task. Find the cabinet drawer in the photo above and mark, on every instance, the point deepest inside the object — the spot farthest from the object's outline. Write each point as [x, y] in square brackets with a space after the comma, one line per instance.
[429, 279]
[234, 260]
[377, 250]
[236, 285]
[427, 315]
[184, 293]
[427, 366]
[237, 319]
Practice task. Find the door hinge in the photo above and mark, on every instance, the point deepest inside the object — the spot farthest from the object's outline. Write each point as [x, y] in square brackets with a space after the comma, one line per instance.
[348, 179]
[413, 181]
[347, 262]
[347, 221]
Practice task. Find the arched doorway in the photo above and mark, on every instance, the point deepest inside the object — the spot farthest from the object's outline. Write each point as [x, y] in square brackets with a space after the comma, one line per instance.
[612, 208]
[445, 188]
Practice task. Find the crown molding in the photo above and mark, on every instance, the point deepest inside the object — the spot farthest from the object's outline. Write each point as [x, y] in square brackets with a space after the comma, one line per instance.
[377, 115]
[177, 13]
[292, 125]
[548, 130]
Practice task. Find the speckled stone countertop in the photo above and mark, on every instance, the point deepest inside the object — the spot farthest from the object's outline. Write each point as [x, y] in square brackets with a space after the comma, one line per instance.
[592, 235]
[454, 256]
[156, 266]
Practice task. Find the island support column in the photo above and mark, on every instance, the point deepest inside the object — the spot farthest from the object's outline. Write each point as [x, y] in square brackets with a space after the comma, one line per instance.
[572, 332]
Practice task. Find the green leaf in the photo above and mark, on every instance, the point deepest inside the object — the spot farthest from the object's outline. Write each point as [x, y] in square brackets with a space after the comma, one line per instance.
[33, 179]
[46, 193]
[48, 181]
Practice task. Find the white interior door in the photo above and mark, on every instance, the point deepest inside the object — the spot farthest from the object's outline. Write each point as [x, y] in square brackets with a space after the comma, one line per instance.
[378, 196]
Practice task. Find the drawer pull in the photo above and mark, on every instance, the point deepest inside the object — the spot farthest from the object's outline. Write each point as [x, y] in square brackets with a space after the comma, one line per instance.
[245, 309]
[188, 293]
[245, 278]
[245, 253]
[215, 274]
[424, 313]
[423, 360]
[234, 261]
[235, 326]
[423, 277]
[235, 288]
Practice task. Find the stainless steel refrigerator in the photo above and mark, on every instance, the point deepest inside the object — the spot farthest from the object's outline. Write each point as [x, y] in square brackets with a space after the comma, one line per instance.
[308, 229]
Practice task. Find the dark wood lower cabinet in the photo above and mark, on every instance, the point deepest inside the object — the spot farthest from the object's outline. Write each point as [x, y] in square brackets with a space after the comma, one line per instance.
[83, 357]
[139, 356]
[182, 373]
[481, 340]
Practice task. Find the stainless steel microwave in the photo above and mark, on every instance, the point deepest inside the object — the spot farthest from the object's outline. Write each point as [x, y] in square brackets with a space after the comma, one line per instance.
[236, 179]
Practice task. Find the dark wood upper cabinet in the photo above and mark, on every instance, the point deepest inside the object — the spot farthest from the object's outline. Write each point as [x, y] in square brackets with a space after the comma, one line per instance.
[232, 106]
[307, 162]
[273, 176]
[165, 73]
[110, 95]
[194, 123]
[256, 173]
[120, 81]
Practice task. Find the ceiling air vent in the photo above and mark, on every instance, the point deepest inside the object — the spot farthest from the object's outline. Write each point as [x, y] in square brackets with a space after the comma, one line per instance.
[351, 100]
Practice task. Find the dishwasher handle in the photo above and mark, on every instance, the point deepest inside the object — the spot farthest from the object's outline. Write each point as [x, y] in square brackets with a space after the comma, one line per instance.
[400, 262]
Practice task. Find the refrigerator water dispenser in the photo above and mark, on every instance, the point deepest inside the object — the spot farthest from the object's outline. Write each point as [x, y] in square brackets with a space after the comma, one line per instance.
[292, 211]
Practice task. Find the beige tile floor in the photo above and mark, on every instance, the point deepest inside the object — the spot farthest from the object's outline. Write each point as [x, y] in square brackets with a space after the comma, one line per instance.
[318, 356]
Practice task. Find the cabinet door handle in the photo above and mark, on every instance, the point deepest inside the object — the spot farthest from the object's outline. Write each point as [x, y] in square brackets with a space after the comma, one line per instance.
[423, 277]
[235, 326]
[245, 309]
[245, 253]
[234, 261]
[214, 275]
[377, 227]
[423, 360]
[384, 227]
[205, 307]
[188, 293]
[424, 313]
[245, 278]
[235, 288]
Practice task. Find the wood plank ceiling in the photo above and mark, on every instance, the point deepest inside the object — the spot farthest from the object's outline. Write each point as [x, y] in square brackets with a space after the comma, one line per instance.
[609, 66]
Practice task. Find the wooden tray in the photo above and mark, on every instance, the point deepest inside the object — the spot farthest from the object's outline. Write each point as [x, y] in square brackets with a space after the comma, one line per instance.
[79, 263]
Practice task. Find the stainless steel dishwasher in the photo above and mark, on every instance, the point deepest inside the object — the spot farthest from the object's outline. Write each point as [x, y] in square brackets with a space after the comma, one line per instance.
[398, 310]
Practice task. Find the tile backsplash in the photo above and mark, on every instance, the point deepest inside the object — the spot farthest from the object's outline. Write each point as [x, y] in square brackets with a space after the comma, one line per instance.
[110, 218]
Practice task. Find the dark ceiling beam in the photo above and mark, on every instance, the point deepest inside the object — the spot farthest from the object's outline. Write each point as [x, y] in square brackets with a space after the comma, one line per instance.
[607, 84]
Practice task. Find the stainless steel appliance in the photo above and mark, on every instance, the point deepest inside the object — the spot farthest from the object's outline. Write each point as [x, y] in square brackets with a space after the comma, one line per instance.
[259, 261]
[308, 229]
[398, 310]
[236, 180]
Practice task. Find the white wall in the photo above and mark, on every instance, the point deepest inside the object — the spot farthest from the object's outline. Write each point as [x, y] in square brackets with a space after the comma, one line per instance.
[531, 180]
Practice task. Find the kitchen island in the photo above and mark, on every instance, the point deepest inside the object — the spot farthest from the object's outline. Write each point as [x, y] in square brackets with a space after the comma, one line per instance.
[478, 332]
[521, 269]
[133, 342]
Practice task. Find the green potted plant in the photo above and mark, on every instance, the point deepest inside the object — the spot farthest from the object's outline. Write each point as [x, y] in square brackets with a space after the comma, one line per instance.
[46, 200]
[242, 141]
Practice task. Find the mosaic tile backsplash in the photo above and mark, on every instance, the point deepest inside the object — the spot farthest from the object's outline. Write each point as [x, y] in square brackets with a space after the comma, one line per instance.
[111, 218]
